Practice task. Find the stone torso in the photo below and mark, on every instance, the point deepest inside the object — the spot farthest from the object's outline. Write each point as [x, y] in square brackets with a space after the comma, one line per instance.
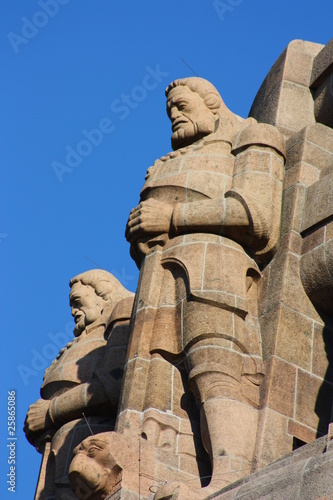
[75, 363]
[202, 170]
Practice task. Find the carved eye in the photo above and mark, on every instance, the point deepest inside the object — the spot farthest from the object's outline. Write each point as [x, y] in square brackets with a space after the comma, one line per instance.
[92, 451]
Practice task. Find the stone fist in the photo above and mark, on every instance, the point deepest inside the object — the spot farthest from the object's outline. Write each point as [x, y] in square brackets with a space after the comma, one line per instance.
[38, 419]
[148, 218]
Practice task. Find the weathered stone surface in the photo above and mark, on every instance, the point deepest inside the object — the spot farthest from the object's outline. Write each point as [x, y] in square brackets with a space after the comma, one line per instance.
[285, 99]
[296, 309]
[319, 202]
[314, 402]
[294, 348]
[304, 474]
[322, 351]
[317, 259]
[279, 385]
[301, 432]
[321, 83]
[322, 64]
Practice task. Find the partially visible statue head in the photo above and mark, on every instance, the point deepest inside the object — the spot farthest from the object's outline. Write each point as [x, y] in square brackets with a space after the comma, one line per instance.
[91, 292]
[194, 107]
[93, 471]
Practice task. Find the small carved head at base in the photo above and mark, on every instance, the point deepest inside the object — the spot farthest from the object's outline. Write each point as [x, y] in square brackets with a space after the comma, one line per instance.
[93, 473]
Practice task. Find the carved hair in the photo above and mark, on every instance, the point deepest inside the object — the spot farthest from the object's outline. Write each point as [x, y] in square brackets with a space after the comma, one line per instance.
[204, 88]
[104, 284]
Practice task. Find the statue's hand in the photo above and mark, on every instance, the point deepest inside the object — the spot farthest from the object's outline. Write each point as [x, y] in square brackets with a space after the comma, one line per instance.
[37, 419]
[149, 217]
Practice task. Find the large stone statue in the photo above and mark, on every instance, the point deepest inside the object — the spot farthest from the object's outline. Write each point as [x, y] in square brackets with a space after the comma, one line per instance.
[229, 354]
[208, 218]
[81, 388]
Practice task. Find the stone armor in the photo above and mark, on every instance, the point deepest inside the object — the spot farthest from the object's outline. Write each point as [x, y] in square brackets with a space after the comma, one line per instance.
[196, 302]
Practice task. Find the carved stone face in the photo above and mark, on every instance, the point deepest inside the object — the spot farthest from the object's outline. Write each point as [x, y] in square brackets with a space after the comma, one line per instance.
[86, 306]
[89, 471]
[190, 118]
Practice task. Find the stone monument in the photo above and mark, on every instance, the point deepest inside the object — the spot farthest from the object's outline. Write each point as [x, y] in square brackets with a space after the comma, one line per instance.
[81, 388]
[228, 388]
[209, 216]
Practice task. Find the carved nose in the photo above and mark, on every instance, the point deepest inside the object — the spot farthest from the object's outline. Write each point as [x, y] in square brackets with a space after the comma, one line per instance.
[174, 113]
[77, 465]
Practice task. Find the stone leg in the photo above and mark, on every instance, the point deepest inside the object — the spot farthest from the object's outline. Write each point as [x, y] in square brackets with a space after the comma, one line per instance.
[45, 484]
[228, 422]
[225, 382]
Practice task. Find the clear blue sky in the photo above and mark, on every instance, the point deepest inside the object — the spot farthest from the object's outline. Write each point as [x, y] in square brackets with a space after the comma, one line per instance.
[69, 67]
